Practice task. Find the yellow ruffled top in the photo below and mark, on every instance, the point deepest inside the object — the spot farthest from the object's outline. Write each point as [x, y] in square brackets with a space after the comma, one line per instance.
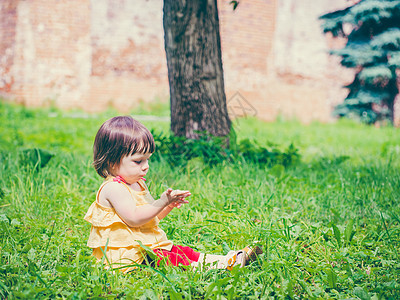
[121, 240]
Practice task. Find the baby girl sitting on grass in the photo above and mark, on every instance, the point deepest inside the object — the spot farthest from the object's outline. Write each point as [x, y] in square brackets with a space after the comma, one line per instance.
[125, 216]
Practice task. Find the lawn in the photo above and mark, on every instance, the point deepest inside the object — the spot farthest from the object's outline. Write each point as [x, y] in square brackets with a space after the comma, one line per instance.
[329, 224]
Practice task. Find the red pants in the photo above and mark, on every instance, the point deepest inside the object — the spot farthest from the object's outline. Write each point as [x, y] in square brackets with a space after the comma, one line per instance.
[179, 255]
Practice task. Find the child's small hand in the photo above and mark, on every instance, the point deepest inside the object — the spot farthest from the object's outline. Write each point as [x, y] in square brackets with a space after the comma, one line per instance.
[175, 198]
[178, 203]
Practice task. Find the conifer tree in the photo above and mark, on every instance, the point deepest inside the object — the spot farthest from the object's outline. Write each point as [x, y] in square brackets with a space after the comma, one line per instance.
[373, 50]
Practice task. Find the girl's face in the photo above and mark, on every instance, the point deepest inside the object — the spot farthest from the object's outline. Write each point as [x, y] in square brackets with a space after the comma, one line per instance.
[133, 167]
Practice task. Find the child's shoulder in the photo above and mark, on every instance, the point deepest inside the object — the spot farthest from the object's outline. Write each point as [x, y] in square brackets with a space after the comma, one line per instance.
[113, 189]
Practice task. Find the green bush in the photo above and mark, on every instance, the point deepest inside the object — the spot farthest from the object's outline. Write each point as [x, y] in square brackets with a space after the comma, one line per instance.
[178, 151]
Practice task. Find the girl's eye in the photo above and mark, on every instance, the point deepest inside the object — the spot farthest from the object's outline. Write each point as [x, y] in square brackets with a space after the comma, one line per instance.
[137, 161]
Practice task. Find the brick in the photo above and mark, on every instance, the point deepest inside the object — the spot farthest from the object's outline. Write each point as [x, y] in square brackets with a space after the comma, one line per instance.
[93, 54]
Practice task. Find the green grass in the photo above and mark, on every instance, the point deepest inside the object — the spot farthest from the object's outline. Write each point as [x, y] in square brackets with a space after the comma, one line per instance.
[329, 226]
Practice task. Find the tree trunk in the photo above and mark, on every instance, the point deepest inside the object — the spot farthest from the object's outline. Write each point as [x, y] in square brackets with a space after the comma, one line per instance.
[193, 48]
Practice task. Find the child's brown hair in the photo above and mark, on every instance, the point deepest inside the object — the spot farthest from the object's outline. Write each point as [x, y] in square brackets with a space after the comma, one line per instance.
[117, 138]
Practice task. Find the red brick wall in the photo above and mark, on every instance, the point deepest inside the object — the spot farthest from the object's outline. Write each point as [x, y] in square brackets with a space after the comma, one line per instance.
[247, 34]
[275, 57]
[7, 37]
[52, 52]
[95, 53]
[128, 57]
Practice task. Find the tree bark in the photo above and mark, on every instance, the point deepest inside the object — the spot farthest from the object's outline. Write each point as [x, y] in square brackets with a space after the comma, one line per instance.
[193, 49]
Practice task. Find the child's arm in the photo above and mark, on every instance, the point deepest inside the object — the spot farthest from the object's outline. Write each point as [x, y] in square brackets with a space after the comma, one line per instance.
[164, 212]
[134, 216]
[170, 207]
